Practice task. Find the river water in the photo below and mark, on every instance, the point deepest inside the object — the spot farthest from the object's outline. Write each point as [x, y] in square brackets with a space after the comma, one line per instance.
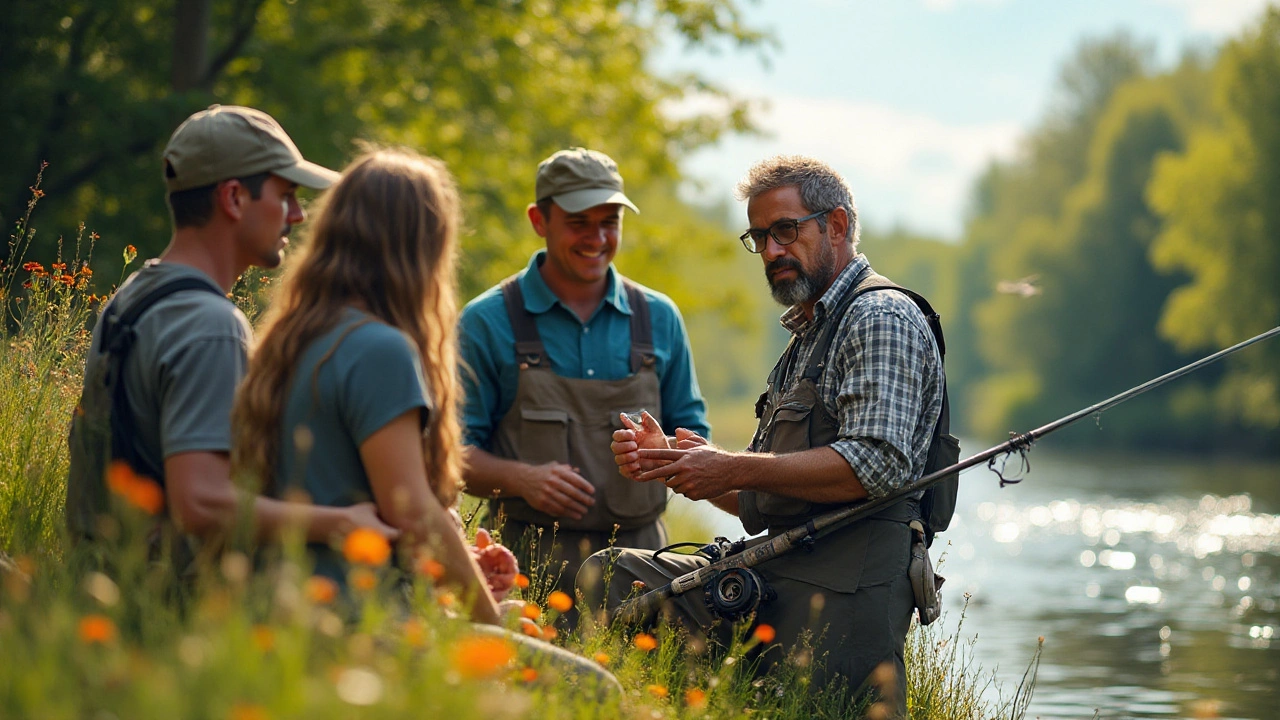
[1155, 583]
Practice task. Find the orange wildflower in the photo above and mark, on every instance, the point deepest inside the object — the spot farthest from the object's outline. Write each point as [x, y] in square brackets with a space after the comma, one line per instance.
[602, 658]
[58, 266]
[241, 711]
[638, 585]
[366, 547]
[96, 630]
[531, 611]
[363, 579]
[480, 656]
[550, 633]
[530, 628]
[136, 490]
[67, 280]
[263, 638]
[645, 642]
[528, 674]
[431, 568]
[32, 266]
[130, 254]
[560, 601]
[522, 581]
[320, 590]
[658, 691]
[447, 599]
[415, 632]
[764, 633]
[695, 698]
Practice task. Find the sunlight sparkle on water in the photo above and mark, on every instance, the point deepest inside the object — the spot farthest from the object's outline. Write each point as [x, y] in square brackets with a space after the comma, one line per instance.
[1143, 595]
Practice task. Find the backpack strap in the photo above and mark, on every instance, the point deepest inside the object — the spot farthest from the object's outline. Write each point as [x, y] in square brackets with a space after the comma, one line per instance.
[117, 328]
[642, 352]
[118, 337]
[530, 352]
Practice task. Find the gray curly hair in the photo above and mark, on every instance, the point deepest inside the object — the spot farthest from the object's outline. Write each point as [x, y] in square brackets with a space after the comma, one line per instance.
[821, 188]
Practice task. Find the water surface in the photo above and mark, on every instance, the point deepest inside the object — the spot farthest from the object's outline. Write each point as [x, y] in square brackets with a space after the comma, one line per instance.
[1155, 582]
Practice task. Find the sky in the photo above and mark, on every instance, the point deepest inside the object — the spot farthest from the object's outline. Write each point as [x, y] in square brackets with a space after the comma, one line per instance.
[911, 99]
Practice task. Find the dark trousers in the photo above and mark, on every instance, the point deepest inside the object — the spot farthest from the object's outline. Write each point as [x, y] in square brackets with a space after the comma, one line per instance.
[855, 637]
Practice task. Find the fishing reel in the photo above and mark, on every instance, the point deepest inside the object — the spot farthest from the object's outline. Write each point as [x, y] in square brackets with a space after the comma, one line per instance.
[737, 592]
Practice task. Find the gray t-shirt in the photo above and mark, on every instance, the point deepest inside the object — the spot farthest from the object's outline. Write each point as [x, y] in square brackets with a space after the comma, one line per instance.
[181, 375]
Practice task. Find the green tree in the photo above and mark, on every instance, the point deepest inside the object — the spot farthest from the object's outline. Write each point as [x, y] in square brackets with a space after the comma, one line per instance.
[490, 86]
[1222, 229]
[1018, 217]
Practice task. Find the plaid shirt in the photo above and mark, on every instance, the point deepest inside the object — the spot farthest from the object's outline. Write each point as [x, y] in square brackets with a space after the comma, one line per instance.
[883, 380]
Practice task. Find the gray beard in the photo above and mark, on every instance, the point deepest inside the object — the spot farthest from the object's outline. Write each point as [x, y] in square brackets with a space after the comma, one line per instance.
[806, 286]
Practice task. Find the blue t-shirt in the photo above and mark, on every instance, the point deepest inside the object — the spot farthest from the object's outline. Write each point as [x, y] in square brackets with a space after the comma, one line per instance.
[599, 349]
[372, 376]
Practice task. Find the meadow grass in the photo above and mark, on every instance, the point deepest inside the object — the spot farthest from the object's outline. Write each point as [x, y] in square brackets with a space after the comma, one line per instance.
[247, 640]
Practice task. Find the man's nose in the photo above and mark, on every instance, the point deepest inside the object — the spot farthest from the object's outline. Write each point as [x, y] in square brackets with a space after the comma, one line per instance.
[772, 249]
[296, 215]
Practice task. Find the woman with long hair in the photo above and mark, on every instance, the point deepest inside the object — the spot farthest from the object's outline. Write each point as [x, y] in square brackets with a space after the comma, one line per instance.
[352, 390]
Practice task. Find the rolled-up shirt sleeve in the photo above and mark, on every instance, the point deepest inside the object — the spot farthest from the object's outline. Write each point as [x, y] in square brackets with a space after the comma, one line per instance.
[879, 401]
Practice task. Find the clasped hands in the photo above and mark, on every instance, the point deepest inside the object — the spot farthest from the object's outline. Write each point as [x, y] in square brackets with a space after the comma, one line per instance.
[686, 463]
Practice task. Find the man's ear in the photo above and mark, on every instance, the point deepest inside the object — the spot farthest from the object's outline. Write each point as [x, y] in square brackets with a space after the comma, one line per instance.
[537, 220]
[228, 199]
[837, 224]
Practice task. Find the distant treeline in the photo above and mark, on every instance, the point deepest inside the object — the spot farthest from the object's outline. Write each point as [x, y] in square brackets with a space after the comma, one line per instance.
[1138, 229]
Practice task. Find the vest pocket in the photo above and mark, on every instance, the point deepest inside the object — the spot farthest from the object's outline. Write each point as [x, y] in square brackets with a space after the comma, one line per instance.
[788, 433]
[544, 435]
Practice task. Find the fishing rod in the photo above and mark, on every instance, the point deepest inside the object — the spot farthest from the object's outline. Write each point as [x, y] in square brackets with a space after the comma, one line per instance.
[640, 609]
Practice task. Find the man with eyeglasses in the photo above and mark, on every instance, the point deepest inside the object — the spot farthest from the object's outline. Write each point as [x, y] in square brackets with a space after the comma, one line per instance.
[848, 415]
[554, 356]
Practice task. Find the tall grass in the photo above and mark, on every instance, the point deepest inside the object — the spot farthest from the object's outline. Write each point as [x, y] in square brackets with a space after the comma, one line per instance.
[255, 641]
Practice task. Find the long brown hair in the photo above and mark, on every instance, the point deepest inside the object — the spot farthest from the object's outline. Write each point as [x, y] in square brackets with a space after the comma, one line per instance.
[385, 237]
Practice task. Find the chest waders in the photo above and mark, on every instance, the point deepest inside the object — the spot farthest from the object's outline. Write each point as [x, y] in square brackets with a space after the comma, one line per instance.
[571, 421]
[847, 593]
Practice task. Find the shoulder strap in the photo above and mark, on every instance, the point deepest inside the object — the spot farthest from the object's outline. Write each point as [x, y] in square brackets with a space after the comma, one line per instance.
[642, 352]
[529, 348]
[873, 283]
[117, 329]
[118, 336]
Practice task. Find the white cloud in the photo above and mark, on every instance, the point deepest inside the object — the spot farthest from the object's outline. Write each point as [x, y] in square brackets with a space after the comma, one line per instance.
[905, 168]
[1218, 16]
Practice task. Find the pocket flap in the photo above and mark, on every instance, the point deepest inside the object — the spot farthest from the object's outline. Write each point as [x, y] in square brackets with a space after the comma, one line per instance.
[547, 415]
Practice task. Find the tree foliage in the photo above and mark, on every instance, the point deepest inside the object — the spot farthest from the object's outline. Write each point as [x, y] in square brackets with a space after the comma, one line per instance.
[490, 86]
[1221, 227]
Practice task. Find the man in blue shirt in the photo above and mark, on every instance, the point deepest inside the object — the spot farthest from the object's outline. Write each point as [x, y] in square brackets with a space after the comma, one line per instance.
[553, 357]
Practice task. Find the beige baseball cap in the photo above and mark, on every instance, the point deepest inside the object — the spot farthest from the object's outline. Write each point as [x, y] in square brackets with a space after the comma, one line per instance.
[578, 178]
[229, 141]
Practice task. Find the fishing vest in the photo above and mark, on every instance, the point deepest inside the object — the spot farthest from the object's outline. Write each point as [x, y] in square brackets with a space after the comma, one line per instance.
[571, 420]
[798, 420]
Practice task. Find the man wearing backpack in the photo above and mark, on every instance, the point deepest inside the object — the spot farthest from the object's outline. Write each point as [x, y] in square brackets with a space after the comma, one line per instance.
[849, 414]
[170, 348]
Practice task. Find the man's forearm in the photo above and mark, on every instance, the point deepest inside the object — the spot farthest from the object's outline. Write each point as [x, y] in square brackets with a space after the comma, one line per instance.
[488, 475]
[816, 475]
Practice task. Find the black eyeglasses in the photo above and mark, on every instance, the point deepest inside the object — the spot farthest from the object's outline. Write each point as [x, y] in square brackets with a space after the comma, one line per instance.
[784, 232]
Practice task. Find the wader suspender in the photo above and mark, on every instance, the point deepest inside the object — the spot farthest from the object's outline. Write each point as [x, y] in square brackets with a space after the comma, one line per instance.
[531, 353]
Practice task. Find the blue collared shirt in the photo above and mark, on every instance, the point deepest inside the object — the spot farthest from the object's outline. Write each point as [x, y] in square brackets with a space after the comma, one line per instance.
[599, 349]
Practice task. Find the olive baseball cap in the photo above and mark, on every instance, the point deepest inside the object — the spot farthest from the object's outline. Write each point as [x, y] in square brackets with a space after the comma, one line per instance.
[577, 179]
[229, 141]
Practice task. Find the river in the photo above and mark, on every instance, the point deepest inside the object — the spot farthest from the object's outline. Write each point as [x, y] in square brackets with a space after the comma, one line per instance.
[1154, 581]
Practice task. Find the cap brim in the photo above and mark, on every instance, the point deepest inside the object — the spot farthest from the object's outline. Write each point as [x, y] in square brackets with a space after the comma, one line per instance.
[308, 175]
[580, 200]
